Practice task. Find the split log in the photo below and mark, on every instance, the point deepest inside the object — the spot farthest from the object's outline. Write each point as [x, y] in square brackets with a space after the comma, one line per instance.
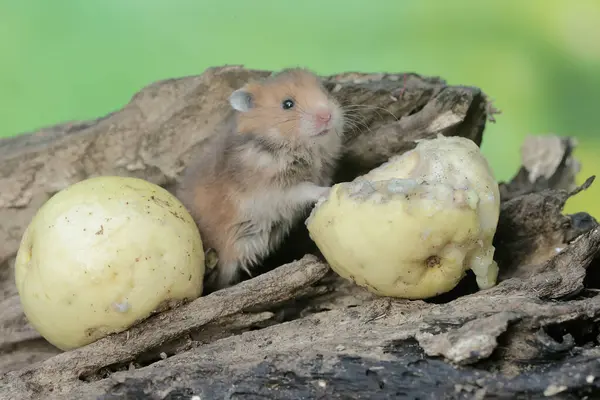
[300, 331]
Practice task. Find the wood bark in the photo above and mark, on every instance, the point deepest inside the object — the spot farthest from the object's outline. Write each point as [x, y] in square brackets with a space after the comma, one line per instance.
[298, 330]
[154, 136]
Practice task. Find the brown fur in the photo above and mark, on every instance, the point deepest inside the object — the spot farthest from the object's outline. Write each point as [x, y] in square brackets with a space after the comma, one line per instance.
[247, 189]
[295, 83]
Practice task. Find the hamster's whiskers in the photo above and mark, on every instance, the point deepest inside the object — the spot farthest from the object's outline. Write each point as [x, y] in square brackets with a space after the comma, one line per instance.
[354, 107]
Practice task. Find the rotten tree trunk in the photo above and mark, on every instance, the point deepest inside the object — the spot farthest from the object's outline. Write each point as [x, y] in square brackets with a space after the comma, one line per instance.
[300, 331]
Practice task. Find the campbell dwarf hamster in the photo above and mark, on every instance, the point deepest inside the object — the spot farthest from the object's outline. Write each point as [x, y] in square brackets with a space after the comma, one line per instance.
[274, 159]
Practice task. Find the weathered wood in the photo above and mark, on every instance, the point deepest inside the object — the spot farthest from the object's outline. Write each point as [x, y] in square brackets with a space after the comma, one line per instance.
[547, 162]
[291, 359]
[532, 227]
[299, 330]
[407, 375]
[156, 133]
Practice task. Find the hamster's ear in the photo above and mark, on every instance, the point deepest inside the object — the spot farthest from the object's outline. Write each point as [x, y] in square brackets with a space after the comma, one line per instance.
[241, 100]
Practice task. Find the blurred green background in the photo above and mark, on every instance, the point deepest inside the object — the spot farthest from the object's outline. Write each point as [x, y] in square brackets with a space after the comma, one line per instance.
[539, 59]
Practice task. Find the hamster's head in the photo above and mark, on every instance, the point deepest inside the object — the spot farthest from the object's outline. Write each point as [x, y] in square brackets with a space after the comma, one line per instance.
[292, 104]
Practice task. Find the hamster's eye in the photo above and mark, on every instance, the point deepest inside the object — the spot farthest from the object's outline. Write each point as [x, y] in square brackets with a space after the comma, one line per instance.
[287, 104]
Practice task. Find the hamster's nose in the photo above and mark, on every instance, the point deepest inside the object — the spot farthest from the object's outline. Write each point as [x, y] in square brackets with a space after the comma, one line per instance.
[323, 116]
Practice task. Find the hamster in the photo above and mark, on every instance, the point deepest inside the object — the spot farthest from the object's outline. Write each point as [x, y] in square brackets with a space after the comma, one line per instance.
[274, 158]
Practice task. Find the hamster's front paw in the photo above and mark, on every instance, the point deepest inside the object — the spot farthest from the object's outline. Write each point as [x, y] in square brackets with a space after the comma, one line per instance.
[320, 192]
[323, 191]
[310, 192]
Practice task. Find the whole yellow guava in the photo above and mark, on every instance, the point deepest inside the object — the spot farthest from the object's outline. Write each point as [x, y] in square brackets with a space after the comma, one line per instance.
[103, 254]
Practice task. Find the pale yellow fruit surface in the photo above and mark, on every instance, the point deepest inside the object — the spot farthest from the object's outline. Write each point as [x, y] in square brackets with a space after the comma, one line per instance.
[103, 254]
[413, 227]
